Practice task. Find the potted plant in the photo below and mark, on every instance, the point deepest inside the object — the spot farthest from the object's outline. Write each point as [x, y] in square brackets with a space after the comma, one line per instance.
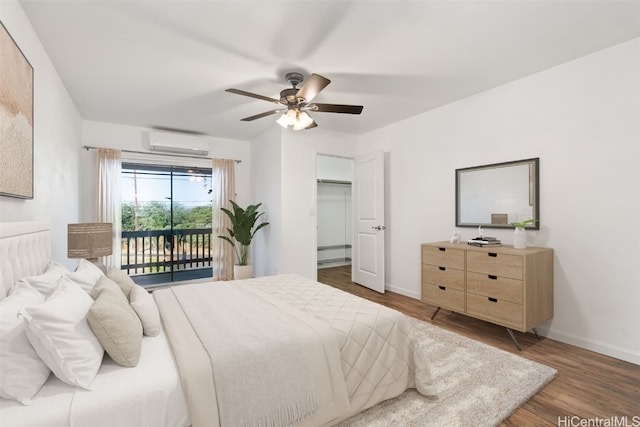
[520, 234]
[243, 228]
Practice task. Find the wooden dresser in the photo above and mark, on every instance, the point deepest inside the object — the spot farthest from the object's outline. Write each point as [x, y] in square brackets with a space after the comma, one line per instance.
[502, 285]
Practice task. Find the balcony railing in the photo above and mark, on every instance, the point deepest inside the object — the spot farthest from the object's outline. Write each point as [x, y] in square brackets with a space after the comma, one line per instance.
[168, 254]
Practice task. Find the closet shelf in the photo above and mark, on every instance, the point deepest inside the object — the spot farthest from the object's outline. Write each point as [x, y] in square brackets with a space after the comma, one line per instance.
[325, 248]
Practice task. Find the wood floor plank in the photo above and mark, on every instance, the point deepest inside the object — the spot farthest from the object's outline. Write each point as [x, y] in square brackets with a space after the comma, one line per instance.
[588, 384]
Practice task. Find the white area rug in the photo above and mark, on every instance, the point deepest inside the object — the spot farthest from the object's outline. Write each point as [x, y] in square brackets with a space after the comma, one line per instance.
[478, 385]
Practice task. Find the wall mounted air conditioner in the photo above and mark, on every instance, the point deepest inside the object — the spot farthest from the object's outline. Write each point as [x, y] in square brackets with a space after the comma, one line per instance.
[177, 143]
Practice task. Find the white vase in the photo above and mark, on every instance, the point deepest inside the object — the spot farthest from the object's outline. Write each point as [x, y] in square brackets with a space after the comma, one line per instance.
[520, 238]
[242, 272]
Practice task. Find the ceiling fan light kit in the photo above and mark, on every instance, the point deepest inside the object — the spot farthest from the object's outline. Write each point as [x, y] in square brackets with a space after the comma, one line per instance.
[298, 102]
[295, 119]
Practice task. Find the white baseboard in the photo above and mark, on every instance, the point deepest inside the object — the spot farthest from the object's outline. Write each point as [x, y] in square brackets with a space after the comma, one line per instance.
[625, 354]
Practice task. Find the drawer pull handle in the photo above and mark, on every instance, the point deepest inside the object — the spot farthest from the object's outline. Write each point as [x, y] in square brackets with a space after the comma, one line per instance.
[493, 254]
[442, 249]
[492, 277]
[442, 288]
[492, 299]
[442, 268]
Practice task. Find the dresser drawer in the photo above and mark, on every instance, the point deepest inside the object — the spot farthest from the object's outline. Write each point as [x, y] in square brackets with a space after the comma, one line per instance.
[495, 310]
[443, 257]
[446, 276]
[495, 286]
[495, 263]
[443, 296]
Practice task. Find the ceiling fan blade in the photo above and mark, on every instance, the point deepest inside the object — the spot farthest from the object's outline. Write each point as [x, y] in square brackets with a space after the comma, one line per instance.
[314, 84]
[312, 125]
[252, 95]
[261, 115]
[337, 108]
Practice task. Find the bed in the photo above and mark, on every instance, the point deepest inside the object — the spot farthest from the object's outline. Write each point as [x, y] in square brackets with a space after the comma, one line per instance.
[342, 354]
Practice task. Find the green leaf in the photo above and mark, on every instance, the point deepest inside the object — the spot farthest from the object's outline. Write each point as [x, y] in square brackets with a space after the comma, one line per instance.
[243, 228]
[523, 224]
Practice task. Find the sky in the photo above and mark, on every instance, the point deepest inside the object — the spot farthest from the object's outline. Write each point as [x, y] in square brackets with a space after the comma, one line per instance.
[190, 190]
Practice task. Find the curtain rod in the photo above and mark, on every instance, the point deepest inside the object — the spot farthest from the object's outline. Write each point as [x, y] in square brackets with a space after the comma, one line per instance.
[88, 147]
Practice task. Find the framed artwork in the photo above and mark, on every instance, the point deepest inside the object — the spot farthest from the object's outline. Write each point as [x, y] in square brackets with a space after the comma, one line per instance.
[16, 120]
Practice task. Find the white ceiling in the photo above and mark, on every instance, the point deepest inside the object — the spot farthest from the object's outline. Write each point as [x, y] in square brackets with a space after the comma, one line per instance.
[166, 64]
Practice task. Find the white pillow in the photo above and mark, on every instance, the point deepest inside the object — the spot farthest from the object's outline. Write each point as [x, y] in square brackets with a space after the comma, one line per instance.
[86, 275]
[145, 307]
[59, 331]
[22, 373]
[46, 282]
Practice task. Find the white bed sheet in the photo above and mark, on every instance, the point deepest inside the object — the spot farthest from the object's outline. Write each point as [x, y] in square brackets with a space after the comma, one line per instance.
[148, 395]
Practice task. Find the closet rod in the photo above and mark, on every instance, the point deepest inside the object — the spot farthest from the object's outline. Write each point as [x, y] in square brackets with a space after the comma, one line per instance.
[88, 147]
[333, 181]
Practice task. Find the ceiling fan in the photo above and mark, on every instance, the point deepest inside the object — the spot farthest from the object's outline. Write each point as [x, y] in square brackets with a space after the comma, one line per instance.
[295, 103]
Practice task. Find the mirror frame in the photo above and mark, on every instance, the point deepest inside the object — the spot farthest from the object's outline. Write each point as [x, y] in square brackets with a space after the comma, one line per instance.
[534, 191]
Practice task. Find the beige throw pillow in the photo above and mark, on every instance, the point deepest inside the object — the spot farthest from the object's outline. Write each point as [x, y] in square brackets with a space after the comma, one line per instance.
[147, 310]
[115, 324]
[122, 279]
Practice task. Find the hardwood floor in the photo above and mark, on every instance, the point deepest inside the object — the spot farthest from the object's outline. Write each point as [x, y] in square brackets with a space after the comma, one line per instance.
[588, 386]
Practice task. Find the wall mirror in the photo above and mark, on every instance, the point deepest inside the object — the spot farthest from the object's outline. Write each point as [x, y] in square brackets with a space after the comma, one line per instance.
[496, 195]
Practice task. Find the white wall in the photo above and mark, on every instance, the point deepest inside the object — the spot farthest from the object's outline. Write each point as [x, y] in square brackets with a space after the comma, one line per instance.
[334, 168]
[582, 120]
[109, 135]
[266, 182]
[56, 142]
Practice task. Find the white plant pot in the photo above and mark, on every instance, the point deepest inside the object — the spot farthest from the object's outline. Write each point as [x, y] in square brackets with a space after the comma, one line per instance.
[520, 238]
[242, 272]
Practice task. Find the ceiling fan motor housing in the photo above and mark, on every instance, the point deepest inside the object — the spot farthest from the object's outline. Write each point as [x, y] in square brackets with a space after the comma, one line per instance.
[288, 96]
[294, 78]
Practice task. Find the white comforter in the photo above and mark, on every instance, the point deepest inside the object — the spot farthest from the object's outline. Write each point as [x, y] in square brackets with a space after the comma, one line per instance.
[378, 355]
[376, 352]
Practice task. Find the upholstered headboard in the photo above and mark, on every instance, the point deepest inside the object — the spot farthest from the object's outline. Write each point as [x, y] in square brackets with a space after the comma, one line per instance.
[25, 250]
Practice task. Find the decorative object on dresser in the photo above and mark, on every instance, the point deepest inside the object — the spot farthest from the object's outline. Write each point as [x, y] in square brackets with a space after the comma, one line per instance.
[502, 285]
[484, 241]
[520, 233]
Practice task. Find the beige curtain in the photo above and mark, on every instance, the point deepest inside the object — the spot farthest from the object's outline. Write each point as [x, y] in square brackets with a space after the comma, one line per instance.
[109, 199]
[224, 187]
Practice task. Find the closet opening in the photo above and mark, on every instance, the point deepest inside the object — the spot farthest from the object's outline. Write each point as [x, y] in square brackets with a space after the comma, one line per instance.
[334, 210]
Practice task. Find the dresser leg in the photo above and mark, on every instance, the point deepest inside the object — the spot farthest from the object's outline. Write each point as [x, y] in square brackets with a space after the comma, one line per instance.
[513, 337]
[535, 332]
[434, 314]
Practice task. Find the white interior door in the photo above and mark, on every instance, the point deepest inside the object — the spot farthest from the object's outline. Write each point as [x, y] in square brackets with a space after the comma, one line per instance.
[368, 201]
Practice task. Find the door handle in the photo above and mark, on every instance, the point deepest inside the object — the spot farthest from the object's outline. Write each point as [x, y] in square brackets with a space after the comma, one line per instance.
[379, 227]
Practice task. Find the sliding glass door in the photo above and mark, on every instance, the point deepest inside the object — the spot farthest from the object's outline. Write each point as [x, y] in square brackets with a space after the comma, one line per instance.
[166, 223]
